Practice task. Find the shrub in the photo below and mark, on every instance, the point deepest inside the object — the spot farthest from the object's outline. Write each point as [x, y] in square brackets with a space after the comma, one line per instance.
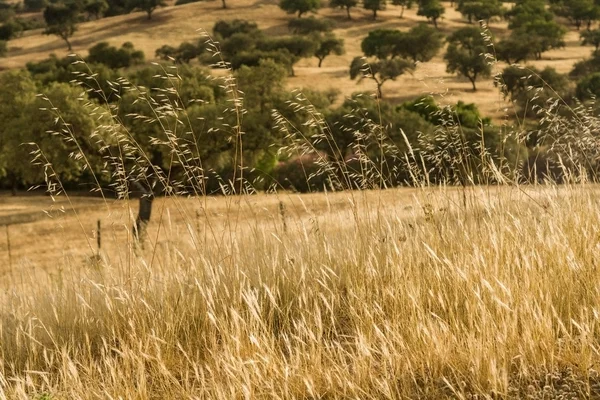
[126, 56]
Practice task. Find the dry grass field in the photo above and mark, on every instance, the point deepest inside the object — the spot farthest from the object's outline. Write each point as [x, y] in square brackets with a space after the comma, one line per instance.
[475, 292]
[432, 293]
[175, 24]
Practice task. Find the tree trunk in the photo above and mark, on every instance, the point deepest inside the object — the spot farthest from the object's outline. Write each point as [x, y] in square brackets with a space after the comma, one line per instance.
[320, 61]
[402, 12]
[435, 22]
[224, 3]
[473, 83]
[379, 92]
[66, 39]
[144, 212]
[375, 14]
[13, 186]
[149, 15]
[348, 12]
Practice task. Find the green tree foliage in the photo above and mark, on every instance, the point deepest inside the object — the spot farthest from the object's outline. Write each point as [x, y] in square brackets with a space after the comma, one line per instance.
[319, 30]
[466, 54]
[516, 48]
[19, 92]
[297, 46]
[299, 6]
[345, 4]
[102, 86]
[62, 125]
[529, 88]
[586, 67]
[577, 11]
[588, 87]
[403, 4]
[526, 11]
[112, 57]
[382, 43]
[380, 71]
[592, 38]
[95, 8]
[10, 30]
[328, 44]
[61, 20]
[420, 44]
[480, 9]
[34, 5]
[116, 7]
[431, 9]
[530, 18]
[224, 29]
[374, 6]
[466, 115]
[148, 6]
[184, 53]
[305, 26]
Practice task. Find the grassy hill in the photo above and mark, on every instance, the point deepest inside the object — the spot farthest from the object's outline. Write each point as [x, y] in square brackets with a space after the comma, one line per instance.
[175, 24]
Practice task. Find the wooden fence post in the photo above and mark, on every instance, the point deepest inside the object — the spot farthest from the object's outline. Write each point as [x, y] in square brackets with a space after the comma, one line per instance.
[8, 247]
[99, 236]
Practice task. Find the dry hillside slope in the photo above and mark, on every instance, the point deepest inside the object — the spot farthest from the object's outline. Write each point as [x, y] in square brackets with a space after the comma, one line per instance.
[175, 24]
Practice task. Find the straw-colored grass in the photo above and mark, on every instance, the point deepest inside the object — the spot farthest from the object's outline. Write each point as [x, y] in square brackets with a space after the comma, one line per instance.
[421, 293]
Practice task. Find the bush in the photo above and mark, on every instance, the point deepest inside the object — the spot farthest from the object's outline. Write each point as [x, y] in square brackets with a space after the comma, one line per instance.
[34, 5]
[10, 30]
[183, 54]
[588, 87]
[225, 29]
[126, 56]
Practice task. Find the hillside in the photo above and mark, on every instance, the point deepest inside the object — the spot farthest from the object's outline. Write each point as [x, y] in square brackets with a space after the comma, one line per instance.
[175, 24]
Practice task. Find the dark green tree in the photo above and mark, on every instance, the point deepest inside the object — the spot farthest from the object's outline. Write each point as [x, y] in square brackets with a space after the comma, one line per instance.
[148, 6]
[61, 20]
[328, 44]
[480, 9]
[577, 11]
[95, 8]
[374, 6]
[466, 54]
[588, 87]
[305, 26]
[403, 4]
[516, 48]
[345, 4]
[380, 71]
[224, 29]
[591, 38]
[299, 6]
[529, 88]
[431, 9]
[297, 46]
[421, 43]
[112, 57]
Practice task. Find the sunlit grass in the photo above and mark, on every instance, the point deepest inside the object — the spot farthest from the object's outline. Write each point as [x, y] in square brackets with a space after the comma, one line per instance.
[440, 294]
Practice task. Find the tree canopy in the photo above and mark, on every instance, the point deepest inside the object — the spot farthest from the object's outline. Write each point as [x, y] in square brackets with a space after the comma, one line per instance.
[61, 20]
[466, 54]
